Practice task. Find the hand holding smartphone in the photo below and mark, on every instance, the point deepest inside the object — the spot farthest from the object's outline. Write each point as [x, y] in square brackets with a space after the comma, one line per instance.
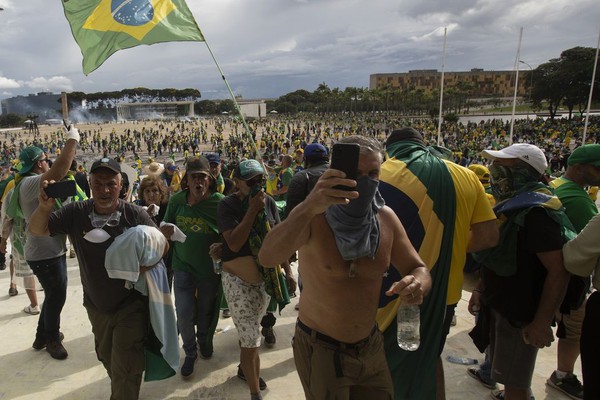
[344, 157]
[61, 189]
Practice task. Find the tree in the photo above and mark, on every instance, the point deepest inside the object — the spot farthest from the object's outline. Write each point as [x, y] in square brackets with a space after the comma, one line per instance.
[548, 86]
[576, 66]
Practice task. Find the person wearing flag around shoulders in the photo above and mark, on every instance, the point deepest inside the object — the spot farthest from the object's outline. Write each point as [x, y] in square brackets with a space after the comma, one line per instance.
[338, 349]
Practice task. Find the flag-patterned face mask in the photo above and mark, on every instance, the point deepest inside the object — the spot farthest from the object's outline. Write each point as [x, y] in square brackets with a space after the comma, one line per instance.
[507, 181]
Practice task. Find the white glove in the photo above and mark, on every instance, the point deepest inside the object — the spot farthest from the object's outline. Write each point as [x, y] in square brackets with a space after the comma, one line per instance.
[73, 133]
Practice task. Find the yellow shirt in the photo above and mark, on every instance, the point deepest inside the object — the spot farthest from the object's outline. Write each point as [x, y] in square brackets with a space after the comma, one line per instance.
[472, 207]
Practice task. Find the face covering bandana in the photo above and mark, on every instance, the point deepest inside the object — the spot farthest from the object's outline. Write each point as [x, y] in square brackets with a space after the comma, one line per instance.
[99, 235]
[507, 181]
[355, 225]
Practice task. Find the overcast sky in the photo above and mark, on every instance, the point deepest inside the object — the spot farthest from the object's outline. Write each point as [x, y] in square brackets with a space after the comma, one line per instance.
[267, 48]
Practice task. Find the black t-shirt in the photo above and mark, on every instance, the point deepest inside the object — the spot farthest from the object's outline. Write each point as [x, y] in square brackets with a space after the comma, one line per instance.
[517, 297]
[229, 215]
[100, 292]
[301, 185]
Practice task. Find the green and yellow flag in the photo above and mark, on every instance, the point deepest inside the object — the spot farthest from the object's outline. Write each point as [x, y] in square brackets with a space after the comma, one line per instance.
[102, 27]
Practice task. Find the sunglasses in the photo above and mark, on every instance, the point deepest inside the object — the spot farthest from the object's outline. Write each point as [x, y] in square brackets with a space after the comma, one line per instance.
[257, 180]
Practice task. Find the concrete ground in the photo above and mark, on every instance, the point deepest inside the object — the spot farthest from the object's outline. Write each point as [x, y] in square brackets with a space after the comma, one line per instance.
[29, 374]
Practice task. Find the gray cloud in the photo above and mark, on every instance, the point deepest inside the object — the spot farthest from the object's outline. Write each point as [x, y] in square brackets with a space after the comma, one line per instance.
[271, 47]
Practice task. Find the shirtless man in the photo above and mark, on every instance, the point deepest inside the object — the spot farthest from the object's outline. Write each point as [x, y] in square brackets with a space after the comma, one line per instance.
[338, 349]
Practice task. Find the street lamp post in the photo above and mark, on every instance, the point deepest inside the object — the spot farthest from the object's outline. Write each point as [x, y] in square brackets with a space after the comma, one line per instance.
[530, 83]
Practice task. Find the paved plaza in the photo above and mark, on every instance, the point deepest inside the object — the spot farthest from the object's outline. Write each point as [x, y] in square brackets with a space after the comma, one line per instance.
[29, 374]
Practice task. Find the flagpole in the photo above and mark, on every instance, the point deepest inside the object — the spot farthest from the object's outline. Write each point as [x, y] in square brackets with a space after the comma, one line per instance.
[512, 117]
[589, 105]
[235, 103]
[439, 138]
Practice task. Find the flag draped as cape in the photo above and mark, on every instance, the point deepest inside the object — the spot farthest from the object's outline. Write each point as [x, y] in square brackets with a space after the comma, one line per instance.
[417, 185]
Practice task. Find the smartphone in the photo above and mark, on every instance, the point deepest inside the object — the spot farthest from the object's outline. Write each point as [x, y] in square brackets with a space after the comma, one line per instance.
[62, 189]
[344, 157]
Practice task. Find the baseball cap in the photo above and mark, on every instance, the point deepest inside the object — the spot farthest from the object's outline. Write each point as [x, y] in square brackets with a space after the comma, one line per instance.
[482, 172]
[526, 152]
[108, 163]
[196, 165]
[315, 149]
[586, 154]
[28, 157]
[213, 158]
[248, 169]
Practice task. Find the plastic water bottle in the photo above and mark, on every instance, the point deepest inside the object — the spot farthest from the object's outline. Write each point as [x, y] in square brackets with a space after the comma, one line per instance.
[409, 324]
[217, 266]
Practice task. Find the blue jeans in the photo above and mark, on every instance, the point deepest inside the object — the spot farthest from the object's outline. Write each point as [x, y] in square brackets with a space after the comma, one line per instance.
[52, 274]
[196, 304]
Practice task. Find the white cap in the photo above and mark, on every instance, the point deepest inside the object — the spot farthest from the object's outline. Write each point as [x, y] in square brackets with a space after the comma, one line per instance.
[528, 153]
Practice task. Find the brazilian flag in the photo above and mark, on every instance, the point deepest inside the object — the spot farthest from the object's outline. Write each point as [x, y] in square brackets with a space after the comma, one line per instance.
[102, 27]
[417, 185]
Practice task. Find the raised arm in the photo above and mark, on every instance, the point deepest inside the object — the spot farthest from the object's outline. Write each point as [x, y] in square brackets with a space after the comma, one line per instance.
[38, 222]
[61, 165]
[294, 231]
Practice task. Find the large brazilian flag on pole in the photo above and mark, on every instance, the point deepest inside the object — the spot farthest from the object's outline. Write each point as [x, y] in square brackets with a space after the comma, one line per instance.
[102, 27]
[417, 185]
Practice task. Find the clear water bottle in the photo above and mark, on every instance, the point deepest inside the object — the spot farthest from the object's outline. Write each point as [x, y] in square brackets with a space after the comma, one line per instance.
[217, 266]
[409, 324]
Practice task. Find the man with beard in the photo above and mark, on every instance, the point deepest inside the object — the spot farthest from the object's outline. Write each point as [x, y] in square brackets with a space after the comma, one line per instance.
[523, 277]
[338, 349]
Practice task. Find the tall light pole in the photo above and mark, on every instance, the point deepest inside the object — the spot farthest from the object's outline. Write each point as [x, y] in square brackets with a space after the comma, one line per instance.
[531, 79]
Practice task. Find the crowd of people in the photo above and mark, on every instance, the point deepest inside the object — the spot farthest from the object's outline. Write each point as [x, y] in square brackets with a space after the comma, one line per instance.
[226, 211]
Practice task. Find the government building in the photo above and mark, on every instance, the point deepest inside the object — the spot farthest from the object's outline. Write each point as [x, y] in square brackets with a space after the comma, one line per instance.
[480, 83]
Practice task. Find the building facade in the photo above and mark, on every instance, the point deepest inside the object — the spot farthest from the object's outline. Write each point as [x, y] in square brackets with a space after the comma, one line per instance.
[478, 82]
[155, 110]
[44, 104]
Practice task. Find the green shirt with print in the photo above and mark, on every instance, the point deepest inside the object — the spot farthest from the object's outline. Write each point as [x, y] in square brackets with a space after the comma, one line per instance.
[199, 223]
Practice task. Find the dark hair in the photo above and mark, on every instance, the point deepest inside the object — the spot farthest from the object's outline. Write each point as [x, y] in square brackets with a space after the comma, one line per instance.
[124, 186]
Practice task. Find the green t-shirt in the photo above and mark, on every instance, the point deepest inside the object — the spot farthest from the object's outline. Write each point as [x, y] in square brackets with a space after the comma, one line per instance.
[579, 207]
[199, 224]
[284, 179]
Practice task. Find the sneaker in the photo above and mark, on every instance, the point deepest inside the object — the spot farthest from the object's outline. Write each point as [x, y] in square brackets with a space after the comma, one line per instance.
[569, 385]
[12, 291]
[269, 335]
[206, 351]
[31, 310]
[475, 372]
[499, 395]
[226, 313]
[40, 342]
[262, 385]
[187, 368]
[56, 350]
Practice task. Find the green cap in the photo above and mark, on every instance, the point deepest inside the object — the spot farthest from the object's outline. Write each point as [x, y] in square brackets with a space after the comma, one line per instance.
[28, 157]
[248, 169]
[586, 154]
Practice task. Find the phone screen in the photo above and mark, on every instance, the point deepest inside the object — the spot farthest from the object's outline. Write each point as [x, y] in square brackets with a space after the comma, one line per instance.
[344, 157]
[61, 190]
